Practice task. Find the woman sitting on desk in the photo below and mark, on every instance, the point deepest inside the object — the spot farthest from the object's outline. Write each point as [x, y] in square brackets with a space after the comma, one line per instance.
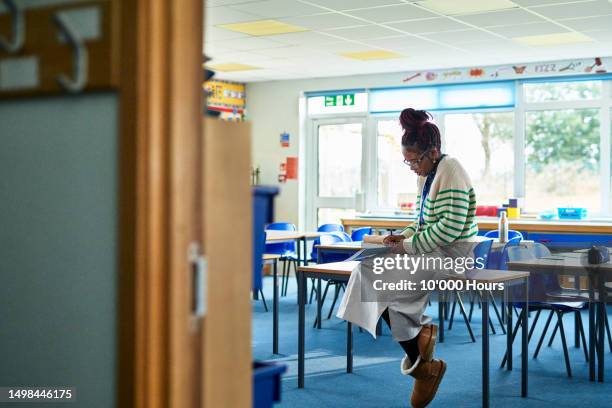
[446, 206]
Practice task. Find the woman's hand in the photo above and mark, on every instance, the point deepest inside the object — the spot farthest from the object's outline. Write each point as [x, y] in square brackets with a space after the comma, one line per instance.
[392, 240]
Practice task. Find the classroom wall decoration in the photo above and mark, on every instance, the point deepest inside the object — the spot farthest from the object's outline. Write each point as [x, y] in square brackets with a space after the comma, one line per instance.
[226, 97]
[584, 66]
[284, 139]
[292, 168]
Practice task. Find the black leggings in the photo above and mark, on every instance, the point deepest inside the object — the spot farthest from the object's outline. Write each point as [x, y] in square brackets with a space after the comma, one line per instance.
[411, 347]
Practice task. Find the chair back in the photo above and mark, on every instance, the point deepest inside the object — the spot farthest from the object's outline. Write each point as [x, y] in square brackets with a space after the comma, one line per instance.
[540, 283]
[327, 239]
[511, 234]
[358, 234]
[503, 259]
[330, 228]
[281, 248]
[483, 250]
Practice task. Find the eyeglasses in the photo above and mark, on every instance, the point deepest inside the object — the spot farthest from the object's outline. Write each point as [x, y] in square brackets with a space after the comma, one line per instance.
[415, 162]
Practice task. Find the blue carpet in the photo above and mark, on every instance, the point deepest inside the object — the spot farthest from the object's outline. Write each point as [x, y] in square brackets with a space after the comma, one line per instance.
[377, 382]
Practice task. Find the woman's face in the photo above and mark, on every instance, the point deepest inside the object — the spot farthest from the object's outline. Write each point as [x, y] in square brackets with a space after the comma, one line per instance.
[420, 162]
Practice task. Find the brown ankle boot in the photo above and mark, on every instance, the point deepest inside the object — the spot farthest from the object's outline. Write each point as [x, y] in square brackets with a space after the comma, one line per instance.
[427, 341]
[428, 375]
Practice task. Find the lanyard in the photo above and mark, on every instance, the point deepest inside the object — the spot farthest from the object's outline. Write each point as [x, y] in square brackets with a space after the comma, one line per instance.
[426, 188]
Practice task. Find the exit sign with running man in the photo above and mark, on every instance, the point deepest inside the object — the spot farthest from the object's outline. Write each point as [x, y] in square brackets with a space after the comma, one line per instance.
[340, 100]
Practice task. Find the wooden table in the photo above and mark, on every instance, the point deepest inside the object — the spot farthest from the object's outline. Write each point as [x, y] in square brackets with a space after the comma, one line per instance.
[341, 271]
[570, 263]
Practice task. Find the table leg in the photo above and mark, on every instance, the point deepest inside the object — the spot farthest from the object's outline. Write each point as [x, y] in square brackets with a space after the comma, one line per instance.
[601, 327]
[525, 342]
[592, 305]
[510, 306]
[576, 314]
[319, 303]
[485, 352]
[349, 347]
[275, 309]
[440, 316]
[301, 327]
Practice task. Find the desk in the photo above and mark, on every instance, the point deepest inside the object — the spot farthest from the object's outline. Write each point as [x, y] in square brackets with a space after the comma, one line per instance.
[300, 237]
[341, 271]
[563, 264]
[273, 260]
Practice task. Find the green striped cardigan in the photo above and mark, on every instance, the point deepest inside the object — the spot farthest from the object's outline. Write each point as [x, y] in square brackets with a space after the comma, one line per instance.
[448, 211]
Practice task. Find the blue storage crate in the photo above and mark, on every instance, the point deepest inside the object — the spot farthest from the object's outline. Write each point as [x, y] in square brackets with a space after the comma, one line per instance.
[570, 213]
[267, 383]
[263, 214]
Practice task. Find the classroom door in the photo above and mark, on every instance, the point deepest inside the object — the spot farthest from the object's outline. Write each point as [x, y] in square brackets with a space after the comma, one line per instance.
[339, 176]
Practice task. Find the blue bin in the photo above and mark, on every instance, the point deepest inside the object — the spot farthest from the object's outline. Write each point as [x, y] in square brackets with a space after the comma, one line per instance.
[263, 214]
[267, 383]
[571, 213]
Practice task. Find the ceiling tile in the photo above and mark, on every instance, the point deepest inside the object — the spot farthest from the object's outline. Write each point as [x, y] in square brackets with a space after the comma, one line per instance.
[214, 49]
[575, 10]
[521, 30]
[214, 3]
[590, 23]
[547, 40]
[278, 8]
[323, 21]
[531, 3]
[249, 43]
[353, 4]
[240, 56]
[391, 13]
[344, 46]
[304, 38]
[460, 37]
[402, 43]
[429, 25]
[364, 32]
[226, 15]
[504, 17]
[219, 34]
[291, 51]
[454, 7]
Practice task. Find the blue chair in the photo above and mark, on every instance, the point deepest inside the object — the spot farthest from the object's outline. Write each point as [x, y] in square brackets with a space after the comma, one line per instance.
[326, 239]
[542, 285]
[511, 234]
[481, 250]
[286, 250]
[358, 234]
[330, 228]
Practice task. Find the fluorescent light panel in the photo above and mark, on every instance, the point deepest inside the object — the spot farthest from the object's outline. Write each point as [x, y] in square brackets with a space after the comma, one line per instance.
[263, 27]
[231, 67]
[553, 39]
[370, 55]
[453, 7]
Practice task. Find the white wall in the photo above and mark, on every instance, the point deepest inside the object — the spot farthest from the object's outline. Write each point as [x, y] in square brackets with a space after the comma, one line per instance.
[272, 108]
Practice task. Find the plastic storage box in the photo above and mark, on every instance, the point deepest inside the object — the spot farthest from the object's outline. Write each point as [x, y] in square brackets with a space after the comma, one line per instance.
[570, 213]
[267, 383]
[263, 214]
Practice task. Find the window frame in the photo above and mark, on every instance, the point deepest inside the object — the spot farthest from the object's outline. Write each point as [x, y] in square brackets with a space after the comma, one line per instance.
[520, 109]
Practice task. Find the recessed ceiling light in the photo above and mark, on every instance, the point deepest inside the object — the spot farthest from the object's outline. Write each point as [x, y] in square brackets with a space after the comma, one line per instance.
[231, 67]
[452, 7]
[263, 27]
[553, 39]
[370, 55]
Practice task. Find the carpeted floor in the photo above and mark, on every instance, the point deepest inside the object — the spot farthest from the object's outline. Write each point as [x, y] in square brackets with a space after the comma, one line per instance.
[377, 382]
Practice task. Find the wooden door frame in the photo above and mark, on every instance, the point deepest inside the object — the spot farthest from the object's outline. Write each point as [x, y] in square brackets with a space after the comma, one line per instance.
[160, 80]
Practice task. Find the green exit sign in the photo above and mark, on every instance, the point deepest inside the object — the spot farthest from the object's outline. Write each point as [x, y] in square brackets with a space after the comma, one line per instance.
[340, 100]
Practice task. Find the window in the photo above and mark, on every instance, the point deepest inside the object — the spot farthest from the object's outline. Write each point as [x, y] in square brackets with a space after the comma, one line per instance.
[562, 159]
[483, 143]
[333, 215]
[397, 184]
[562, 91]
[340, 147]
